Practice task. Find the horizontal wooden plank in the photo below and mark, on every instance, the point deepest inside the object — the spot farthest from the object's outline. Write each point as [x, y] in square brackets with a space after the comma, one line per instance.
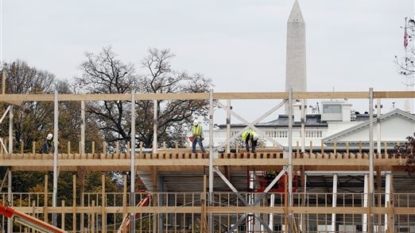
[17, 98]
[215, 210]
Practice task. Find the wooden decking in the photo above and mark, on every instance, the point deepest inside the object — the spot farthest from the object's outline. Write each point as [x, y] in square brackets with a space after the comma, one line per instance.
[169, 160]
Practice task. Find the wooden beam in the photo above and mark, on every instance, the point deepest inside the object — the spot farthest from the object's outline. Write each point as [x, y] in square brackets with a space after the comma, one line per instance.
[205, 96]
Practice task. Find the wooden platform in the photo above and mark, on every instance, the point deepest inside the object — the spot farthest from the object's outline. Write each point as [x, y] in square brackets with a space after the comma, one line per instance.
[185, 161]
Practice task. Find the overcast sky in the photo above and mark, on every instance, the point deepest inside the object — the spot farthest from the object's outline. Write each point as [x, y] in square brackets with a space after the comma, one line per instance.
[239, 44]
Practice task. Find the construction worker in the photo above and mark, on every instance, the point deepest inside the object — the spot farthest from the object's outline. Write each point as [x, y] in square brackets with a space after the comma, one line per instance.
[250, 136]
[47, 146]
[197, 132]
[270, 176]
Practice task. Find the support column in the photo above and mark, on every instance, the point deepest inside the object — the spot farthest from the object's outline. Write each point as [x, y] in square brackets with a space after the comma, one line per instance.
[289, 192]
[155, 121]
[379, 130]
[303, 119]
[303, 224]
[82, 152]
[334, 203]
[271, 215]
[132, 161]
[387, 196]
[251, 217]
[9, 199]
[365, 202]
[228, 125]
[290, 150]
[371, 163]
[211, 175]
[11, 129]
[55, 158]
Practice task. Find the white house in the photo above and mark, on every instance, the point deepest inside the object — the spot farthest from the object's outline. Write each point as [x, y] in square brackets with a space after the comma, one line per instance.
[336, 124]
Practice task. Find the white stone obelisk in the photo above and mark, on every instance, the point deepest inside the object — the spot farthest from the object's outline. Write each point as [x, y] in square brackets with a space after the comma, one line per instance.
[296, 73]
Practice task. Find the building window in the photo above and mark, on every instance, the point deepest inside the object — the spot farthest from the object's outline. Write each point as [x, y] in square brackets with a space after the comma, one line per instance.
[332, 108]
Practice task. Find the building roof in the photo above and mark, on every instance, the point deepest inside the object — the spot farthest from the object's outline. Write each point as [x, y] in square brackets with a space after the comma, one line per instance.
[312, 120]
[365, 125]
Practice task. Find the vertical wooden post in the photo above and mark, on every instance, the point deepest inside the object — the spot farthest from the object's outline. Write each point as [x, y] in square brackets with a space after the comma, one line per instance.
[391, 210]
[347, 147]
[81, 177]
[203, 223]
[286, 203]
[74, 203]
[33, 147]
[93, 217]
[311, 147]
[3, 82]
[124, 204]
[63, 216]
[46, 199]
[379, 199]
[21, 146]
[104, 148]
[69, 148]
[155, 200]
[93, 147]
[303, 199]
[103, 205]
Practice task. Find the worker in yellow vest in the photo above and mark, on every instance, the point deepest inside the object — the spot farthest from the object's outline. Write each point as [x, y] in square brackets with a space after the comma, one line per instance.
[197, 132]
[250, 136]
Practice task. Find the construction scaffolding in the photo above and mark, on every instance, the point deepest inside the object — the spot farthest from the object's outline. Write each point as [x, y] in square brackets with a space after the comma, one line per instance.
[217, 191]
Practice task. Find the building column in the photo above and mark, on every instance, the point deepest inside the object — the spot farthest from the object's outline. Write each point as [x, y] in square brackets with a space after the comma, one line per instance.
[271, 215]
[365, 202]
[334, 203]
[11, 129]
[387, 196]
[303, 225]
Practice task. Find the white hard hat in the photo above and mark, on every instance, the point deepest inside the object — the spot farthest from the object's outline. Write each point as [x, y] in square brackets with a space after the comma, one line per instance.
[49, 137]
[195, 122]
[255, 136]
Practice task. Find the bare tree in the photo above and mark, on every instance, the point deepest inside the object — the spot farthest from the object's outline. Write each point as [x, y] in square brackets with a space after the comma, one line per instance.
[104, 73]
[173, 115]
[406, 63]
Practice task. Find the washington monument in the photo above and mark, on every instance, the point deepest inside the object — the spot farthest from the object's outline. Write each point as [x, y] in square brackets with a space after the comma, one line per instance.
[296, 74]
